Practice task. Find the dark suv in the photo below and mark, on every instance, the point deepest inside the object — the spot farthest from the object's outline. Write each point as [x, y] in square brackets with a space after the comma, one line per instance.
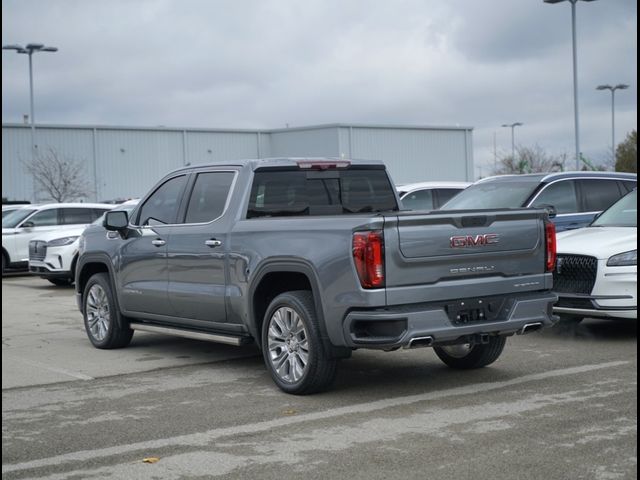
[576, 196]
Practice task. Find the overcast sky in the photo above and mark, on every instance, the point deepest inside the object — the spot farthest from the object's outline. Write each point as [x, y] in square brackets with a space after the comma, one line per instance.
[269, 63]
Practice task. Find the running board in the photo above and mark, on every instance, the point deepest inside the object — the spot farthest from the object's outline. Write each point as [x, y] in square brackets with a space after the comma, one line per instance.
[179, 332]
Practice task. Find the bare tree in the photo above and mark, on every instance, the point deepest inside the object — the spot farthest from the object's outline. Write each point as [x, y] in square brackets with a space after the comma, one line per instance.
[60, 177]
[529, 160]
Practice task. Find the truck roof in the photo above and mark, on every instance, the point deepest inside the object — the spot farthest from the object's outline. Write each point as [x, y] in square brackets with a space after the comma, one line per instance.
[256, 163]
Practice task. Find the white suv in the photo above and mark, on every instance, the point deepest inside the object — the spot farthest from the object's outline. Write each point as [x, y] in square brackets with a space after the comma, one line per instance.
[53, 255]
[21, 226]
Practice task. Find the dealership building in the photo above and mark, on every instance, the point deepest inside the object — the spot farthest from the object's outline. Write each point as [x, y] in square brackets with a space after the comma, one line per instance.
[124, 162]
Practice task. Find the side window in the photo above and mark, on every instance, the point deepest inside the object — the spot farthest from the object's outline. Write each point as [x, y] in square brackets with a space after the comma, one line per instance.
[418, 200]
[162, 205]
[561, 195]
[76, 216]
[628, 185]
[44, 218]
[209, 196]
[599, 194]
[446, 194]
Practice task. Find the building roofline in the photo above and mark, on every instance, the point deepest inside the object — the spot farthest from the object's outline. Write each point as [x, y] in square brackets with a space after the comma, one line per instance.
[162, 128]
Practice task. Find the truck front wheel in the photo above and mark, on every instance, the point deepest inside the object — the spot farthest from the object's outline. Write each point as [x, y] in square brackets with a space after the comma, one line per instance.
[291, 345]
[467, 356]
[102, 321]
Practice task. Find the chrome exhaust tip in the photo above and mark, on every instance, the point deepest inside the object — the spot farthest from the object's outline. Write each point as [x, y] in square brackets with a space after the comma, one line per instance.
[530, 327]
[417, 342]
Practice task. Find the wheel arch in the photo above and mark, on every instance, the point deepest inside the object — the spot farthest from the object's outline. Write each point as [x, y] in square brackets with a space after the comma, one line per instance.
[89, 266]
[276, 277]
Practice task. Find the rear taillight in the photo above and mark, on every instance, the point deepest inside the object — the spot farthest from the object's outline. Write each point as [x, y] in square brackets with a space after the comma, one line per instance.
[368, 256]
[550, 233]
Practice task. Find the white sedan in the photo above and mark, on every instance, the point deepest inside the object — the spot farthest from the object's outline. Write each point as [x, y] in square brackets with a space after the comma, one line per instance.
[53, 255]
[596, 272]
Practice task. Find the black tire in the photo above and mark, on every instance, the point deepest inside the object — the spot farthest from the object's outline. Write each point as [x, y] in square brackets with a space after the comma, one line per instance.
[570, 319]
[478, 356]
[4, 263]
[60, 282]
[110, 330]
[320, 370]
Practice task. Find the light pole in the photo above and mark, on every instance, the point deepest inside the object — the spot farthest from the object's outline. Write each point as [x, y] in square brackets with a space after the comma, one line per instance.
[513, 143]
[620, 86]
[575, 73]
[30, 49]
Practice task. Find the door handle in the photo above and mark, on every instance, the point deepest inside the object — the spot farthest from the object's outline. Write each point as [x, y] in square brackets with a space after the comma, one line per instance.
[213, 243]
[158, 242]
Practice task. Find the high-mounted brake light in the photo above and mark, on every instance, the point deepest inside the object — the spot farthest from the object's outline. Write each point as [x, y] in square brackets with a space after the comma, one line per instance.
[550, 234]
[322, 165]
[368, 255]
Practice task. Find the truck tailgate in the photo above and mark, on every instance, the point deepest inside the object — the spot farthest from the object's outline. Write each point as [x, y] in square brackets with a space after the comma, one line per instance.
[468, 253]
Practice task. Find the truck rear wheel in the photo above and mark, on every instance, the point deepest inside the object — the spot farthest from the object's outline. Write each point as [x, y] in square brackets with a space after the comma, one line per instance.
[467, 356]
[103, 323]
[292, 347]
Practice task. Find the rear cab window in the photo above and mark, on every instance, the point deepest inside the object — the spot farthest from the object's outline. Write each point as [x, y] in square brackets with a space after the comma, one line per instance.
[297, 192]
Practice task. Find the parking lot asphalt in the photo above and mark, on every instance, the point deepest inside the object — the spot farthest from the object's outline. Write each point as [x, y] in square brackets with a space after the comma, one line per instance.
[558, 404]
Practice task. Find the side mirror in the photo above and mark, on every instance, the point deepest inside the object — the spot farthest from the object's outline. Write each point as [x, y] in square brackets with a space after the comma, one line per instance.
[116, 221]
[28, 225]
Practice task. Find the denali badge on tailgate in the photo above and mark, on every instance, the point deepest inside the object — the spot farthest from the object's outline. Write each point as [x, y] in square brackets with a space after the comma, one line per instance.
[474, 240]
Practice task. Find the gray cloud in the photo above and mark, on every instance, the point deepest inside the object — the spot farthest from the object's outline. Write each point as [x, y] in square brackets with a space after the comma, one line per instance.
[268, 63]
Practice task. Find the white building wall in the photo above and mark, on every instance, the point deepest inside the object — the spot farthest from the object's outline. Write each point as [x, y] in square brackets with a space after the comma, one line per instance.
[303, 142]
[122, 162]
[415, 155]
[205, 147]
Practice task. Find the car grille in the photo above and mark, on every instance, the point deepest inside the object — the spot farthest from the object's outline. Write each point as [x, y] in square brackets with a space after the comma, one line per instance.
[575, 274]
[37, 250]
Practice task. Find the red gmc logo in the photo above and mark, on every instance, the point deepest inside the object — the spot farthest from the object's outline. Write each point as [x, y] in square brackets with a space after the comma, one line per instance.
[474, 240]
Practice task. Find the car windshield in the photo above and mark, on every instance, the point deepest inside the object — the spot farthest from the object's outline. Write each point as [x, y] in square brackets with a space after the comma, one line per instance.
[14, 218]
[498, 194]
[623, 213]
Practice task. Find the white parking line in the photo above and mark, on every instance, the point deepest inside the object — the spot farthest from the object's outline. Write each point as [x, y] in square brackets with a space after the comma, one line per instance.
[204, 438]
[44, 366]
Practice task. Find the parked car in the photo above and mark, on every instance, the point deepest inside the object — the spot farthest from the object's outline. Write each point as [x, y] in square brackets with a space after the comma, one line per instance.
[576, 196]
[7, 209]
[312, 259]
[21, 226]
[53, 255]
[596, 273]
[429, 195]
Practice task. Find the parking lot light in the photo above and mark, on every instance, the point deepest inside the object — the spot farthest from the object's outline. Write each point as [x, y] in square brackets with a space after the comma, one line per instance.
[513, 143]
[30, 49]
[620, 86]
[575, 73]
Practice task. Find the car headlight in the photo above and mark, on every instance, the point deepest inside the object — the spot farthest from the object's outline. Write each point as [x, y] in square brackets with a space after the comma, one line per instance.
[60, 242]
[623, 259]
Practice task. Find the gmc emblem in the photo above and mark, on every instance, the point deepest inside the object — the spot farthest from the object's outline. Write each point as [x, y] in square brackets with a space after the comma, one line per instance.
[474, 240]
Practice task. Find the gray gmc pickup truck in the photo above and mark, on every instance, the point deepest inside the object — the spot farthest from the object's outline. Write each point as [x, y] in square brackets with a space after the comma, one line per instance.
[312, 259]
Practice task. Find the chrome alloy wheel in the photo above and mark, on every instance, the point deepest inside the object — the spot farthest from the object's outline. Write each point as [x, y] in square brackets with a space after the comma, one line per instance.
[457, 351]
[288, 344]
[98, 314]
